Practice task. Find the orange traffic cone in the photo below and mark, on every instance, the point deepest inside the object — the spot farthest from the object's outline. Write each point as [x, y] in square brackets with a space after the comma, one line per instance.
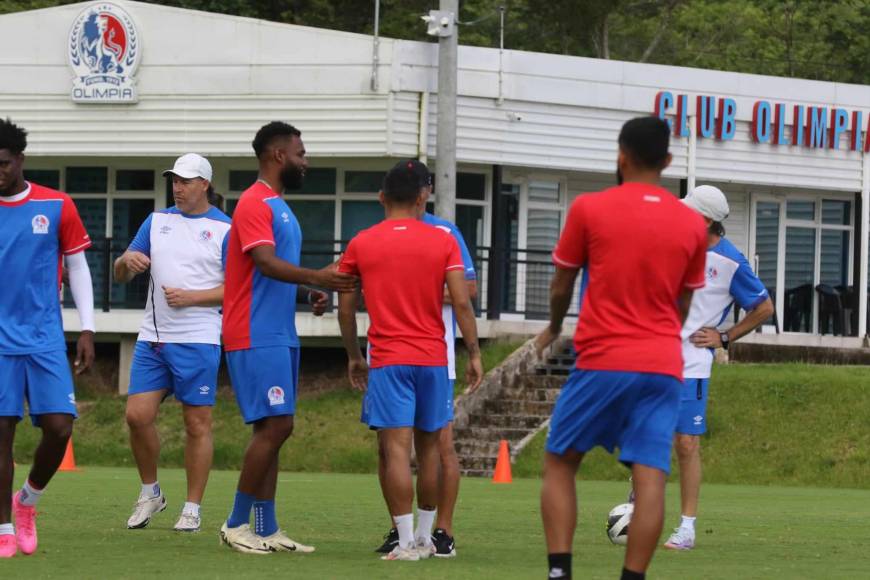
[69, 459]
[503, 464]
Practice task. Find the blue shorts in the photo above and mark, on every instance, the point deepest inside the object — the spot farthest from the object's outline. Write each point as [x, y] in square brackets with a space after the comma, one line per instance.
[188, 371]
[264, 380]
[693, 407]
[43, 379]
[408, 396]
[636, 412]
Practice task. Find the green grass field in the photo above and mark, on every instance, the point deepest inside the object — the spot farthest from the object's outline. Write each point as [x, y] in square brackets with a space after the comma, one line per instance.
[744, 532]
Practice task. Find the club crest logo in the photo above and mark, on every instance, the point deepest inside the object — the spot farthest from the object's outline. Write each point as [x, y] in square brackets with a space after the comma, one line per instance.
[205, 235]
[712, 273]
[276, 396]
[40, 224]
[104, 52]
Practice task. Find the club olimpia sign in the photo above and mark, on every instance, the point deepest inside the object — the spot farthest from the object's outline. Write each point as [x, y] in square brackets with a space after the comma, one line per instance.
[104, 51]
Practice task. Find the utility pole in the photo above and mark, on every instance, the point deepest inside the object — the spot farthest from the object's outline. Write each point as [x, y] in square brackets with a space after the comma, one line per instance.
[448, 42]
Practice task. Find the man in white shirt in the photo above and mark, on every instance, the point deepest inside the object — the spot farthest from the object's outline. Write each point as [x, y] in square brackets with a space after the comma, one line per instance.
[178, 349]
[730, 279]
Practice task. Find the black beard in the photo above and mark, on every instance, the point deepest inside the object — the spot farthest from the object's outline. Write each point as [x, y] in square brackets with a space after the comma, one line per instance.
[619, 178]
[291, 178]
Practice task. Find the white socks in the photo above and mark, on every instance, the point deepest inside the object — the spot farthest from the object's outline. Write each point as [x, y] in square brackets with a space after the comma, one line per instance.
[7, 530]
[688, 524]
[425, 519]
[29, 495]
[191, 509]
[150, 489]
[405, 526]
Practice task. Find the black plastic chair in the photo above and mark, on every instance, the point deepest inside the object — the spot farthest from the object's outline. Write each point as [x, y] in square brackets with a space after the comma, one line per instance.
[830, 310]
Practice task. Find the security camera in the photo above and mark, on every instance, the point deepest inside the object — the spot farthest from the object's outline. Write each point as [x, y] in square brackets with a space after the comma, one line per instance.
[439, 23]
[514, 117]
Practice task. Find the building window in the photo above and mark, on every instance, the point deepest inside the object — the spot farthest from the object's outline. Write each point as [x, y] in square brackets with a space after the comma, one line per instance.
[359, 215]
[87, 180]
[363, 181]
[317, 221]
[471, 186]
[134, 180]
[45, 177]
[319, 181]
[242, 179]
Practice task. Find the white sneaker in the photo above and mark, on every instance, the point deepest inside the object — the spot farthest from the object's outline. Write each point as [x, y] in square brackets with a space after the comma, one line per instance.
[425, 549]
[143, 510]
[681, 539]
[399, 553]
[188, 523]
[242, 539]
[279, 542]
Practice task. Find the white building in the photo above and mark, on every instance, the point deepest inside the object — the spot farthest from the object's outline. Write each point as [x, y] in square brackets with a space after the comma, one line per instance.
[534, 131]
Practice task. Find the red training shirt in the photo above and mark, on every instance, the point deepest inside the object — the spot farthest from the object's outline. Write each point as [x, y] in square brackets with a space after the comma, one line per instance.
[639, 247]
[402, 265]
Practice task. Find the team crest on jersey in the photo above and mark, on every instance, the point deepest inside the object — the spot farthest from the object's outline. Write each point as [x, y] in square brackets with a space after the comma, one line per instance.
[276, 396]
[712, 273]
[205, 235]
[104, 52]
[40, 224]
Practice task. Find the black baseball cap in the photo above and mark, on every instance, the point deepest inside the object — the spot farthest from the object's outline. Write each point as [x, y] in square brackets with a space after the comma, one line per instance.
[416, 168]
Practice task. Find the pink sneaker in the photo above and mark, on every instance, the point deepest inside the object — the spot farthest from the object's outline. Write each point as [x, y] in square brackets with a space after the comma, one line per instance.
[8, 547]
[25, 525]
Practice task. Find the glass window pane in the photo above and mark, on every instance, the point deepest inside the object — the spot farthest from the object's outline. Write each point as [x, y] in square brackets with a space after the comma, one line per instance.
[510, 193]
[93, 214]
[836, 212]
[317, 220]
[318, 181]
[240, 180]
[363, 181]
[767, 244]
[800, 210]
[134, 180]
[230, 206]
[46, 177]
[469, 220]
[835, 258]
[359, 215]
[87, 180]
[545, 191]
[800, 255]
[127, 216]
[471, 186]
[543, 233]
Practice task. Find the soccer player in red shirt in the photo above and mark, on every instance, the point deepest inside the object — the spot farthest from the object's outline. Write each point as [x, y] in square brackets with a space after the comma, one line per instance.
[39, 226]
[403, 265]
[642, 255]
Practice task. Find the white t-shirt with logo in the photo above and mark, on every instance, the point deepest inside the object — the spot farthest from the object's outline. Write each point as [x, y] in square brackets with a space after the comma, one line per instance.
[187, 252]
[729, 279]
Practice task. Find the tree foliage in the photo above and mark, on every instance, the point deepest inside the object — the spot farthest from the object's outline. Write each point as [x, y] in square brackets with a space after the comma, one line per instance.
[824, 40]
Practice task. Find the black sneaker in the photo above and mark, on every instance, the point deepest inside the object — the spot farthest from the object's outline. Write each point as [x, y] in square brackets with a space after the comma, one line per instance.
[391, 540]
[445, 547]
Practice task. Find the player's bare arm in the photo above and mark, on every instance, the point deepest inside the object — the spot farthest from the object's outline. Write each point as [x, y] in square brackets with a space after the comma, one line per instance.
[274, 267]
[458, 289]
[129, 265]
[472, 292]
[684, 303]
[357, 369]
[317, 299]
[561, 289]
[181, 298]
[711, 337]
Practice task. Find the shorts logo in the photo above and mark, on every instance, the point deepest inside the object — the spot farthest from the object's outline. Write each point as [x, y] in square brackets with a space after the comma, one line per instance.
[276, 396]
[40, 224]
[698, 419]
[286, 217]
[205, 235]
[204, 390]
[72, 398]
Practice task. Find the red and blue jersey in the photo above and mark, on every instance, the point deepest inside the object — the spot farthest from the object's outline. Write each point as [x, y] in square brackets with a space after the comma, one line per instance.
[36, 231]
[260, 311]
[639, 248]
[403, 265]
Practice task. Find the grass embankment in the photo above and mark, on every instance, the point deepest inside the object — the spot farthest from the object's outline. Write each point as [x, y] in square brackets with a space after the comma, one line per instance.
[328, 436]
[783, 424]
[745, 532]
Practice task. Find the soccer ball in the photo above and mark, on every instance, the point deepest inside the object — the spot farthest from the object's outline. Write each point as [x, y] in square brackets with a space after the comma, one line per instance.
[617, 523]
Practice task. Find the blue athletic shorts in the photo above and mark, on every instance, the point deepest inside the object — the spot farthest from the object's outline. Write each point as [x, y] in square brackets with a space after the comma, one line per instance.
[264, 381]
[188, 371]
[693, 407]
[636, 412]
[43, 379]
[408, 396]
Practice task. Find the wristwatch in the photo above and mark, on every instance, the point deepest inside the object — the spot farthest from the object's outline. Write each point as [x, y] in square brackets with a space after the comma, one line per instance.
[723, 336]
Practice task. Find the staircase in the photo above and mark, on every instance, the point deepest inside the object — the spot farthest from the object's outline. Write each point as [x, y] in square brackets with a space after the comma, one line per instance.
[514, 403]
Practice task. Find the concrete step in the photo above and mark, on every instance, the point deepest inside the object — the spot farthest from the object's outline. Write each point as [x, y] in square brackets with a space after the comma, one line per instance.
[552, 370]
[562, 360]
[519, 407]
[534, 393]
[476, 447]
[490, 434]
[481, 462]
[527, 422]
[487, 473]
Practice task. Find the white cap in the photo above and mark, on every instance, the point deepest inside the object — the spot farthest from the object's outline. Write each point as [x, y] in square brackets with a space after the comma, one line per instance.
[709, 201]
[189, 166]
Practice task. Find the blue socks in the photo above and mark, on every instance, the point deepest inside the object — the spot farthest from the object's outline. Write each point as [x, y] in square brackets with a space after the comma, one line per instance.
[241, 513]
[265, 521]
